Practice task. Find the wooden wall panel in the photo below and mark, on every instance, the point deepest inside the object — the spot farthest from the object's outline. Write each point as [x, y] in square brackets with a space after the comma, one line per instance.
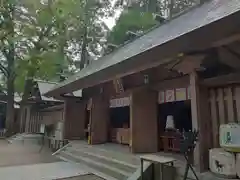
[237, 98]
[230, 108]
[34, 122]
[143, 121]
[214, 116]
[222, 119]
[225, 108]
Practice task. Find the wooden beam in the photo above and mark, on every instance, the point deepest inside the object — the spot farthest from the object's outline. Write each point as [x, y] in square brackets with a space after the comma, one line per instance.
[233, 78]
[233, 52]
[178, 82]
[226, 40]
[53, 108]
[190, 63]
[228, 58]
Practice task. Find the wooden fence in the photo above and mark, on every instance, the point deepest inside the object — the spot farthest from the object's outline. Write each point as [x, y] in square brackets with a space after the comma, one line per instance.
[34, 123]
[224, 103]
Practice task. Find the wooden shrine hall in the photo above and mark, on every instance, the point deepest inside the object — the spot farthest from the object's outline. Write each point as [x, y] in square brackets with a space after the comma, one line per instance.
[187, 67]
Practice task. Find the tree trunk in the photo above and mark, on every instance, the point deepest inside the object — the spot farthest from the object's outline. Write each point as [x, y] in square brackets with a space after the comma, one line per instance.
[10, 106]
[10, 92]
[83, 60]
[10, 56]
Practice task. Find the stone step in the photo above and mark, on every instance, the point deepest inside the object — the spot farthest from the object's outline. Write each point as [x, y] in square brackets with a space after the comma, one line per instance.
[103, 168]
[114, 154]
[93, 171]
[104, 159]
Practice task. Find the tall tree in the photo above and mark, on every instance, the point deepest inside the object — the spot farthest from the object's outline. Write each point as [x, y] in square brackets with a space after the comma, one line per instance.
[7, 51]
[28, 42]
[90, 30]
[43, 38]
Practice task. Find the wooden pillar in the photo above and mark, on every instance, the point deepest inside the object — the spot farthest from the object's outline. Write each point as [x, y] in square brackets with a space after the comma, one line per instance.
[201, 121]
[99, 119]
[74, 119]
[143, 121]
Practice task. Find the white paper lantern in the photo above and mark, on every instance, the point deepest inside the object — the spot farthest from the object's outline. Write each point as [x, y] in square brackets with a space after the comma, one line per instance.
[42, 128]
[170, 122]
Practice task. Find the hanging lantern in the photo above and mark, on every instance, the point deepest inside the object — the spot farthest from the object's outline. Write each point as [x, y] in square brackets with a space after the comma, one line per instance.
[146, 79]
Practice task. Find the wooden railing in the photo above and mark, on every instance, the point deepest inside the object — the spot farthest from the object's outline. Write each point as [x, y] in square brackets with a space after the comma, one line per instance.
[2, 133]
[53, 144]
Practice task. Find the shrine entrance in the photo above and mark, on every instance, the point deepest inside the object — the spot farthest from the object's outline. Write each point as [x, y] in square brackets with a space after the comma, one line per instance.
[119, 126]
[174, 118]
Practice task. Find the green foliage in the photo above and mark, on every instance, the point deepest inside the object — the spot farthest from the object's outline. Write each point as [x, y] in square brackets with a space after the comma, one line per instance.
[48, 35]
[138, 16]
[131, 20]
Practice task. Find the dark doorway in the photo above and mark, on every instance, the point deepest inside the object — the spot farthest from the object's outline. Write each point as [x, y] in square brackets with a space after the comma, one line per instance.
[169, 139]
[120, 125]
[120, 117]
[181, 111]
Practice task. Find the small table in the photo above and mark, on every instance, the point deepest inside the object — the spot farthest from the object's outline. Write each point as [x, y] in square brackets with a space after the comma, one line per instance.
[162, 160]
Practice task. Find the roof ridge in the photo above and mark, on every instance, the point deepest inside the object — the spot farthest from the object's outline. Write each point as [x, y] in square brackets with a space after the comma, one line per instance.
[44, 81]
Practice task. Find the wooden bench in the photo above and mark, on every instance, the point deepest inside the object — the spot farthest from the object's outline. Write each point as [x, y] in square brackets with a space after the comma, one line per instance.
[162, 160]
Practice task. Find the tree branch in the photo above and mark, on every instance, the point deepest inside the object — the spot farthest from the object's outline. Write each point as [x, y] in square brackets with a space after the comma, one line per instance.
[4, 70]
[43, 34]
[4, 36]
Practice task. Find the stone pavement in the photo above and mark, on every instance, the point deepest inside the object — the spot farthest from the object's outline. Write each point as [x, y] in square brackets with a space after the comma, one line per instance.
[23, 154]
[84, 177]
[24, 162]
[46, 171]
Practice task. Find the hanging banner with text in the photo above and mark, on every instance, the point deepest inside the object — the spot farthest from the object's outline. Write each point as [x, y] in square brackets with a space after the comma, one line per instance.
[121, 102]
[172, 95]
